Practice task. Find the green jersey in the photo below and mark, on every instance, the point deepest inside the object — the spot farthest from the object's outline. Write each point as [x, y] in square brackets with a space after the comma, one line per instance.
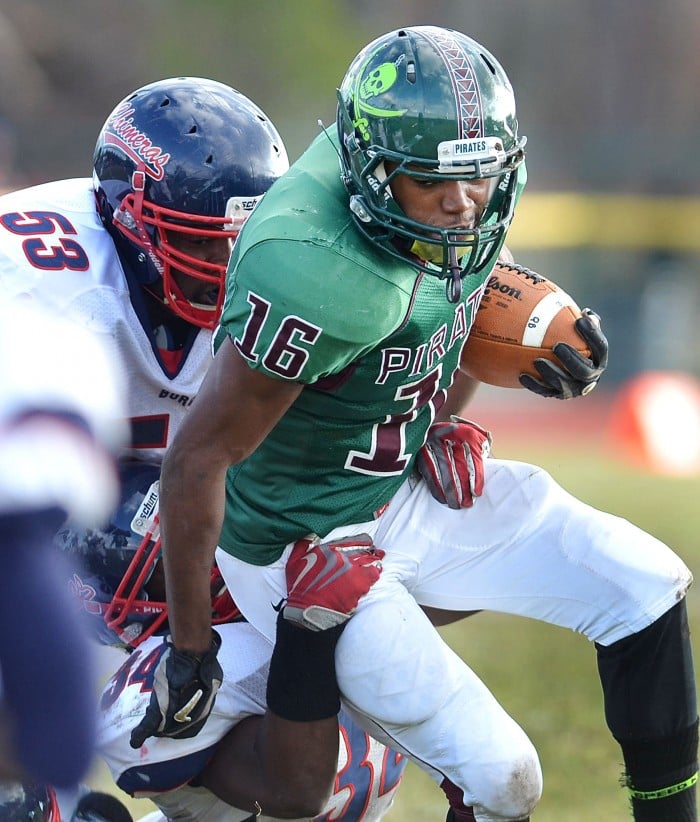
[375, 343]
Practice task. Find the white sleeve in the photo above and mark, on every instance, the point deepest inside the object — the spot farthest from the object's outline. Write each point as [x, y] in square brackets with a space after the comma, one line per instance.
[61, 416]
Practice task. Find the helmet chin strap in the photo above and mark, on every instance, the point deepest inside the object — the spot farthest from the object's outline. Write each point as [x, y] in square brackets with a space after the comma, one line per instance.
[431, 252]
[454, 283]
[129, 217]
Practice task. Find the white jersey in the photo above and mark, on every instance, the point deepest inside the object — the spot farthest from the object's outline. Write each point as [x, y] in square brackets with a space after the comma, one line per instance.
[61, 416]
[368, 773]
[54, 248]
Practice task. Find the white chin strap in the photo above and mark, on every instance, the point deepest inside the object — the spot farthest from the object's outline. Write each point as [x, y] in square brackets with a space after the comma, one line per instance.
[199, 306]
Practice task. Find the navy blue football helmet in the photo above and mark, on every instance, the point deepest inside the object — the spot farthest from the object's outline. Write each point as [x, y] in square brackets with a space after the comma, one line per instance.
[112, 568]
[184, 156]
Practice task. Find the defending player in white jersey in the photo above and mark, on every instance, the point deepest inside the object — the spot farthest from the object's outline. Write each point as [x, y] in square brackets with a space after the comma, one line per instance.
[368, 773]
[138, 253]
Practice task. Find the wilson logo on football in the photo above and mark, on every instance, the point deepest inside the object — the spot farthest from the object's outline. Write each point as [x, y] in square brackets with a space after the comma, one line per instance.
[494, 284]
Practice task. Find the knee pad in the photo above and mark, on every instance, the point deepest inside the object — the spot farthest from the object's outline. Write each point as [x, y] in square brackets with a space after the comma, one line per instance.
[510, 789]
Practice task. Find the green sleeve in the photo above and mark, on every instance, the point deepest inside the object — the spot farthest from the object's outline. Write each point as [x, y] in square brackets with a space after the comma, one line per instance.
[294, 309]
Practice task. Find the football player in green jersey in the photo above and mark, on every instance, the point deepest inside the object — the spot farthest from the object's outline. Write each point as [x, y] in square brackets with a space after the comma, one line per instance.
[326, 412]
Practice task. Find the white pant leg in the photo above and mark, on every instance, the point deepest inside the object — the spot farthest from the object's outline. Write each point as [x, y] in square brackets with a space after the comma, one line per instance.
[256, 589]
[528, 547]
[188, 804]
[408, 689]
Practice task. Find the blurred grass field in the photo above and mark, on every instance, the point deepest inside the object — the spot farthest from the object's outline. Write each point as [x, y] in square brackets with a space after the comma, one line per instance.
[546, 677]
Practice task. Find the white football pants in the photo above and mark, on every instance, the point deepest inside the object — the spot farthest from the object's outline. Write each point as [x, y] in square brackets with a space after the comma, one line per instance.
[527, 547]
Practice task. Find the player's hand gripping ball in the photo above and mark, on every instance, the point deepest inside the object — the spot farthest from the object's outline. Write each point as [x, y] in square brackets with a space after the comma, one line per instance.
[529, 333]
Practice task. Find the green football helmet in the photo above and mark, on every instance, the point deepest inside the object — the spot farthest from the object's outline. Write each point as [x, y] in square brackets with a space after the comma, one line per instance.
[436, 105]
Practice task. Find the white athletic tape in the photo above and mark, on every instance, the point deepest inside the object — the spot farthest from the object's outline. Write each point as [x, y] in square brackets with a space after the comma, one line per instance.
[542, 315]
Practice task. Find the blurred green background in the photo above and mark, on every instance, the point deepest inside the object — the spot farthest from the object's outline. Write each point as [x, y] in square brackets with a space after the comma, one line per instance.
[606, 91]
[607, 95]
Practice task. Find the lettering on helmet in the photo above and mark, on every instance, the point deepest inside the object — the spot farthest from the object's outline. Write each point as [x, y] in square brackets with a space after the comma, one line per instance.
[505, 180]
[238, 209]
[378, 188]
[478, 155]
[121, 131]
[143, 521]
[236, 204]
[377, 182]
[470, 146]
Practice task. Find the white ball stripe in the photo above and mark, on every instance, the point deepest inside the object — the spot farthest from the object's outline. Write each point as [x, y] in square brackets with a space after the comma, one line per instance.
[542, 315]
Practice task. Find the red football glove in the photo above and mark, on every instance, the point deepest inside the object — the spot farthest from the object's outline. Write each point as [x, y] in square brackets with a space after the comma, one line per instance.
[452, 461]
[326, 580]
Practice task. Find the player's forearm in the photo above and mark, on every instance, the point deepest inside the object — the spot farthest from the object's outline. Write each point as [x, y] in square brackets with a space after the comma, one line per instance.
[191, 515]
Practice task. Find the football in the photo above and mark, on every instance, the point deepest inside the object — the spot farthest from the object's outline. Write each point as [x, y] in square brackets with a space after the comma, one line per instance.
[521, 316]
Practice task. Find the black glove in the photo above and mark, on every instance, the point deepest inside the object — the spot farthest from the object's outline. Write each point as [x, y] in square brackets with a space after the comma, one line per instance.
[579, 375]
[184, 689]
